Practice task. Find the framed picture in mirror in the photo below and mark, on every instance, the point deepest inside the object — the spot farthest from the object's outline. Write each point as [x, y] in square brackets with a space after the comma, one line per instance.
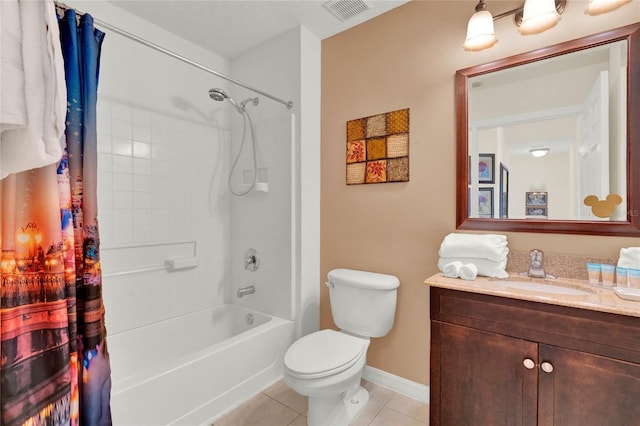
[536, 199]
[486, 170]
[539, 211]
[485, 202]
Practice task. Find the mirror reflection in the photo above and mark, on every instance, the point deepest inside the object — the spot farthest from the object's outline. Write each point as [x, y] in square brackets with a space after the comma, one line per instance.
[546, 135]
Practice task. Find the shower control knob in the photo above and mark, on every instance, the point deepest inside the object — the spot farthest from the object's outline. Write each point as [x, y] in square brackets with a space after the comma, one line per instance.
[251, 260]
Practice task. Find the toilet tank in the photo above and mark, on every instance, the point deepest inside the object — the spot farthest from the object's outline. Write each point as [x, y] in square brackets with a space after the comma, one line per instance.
[363, 303]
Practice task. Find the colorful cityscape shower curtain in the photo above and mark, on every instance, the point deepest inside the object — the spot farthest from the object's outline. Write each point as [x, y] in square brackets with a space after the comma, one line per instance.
[54, 360]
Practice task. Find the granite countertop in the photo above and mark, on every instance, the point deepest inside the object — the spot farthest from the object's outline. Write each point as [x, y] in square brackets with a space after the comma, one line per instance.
[596, 298]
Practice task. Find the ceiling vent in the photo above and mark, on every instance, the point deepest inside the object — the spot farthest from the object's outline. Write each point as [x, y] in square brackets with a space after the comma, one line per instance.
[347, 9]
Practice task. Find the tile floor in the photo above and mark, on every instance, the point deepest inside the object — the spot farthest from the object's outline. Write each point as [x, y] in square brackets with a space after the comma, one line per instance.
[280, 406]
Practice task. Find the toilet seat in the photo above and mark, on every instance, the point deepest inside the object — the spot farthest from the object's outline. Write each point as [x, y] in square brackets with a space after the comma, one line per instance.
[323, 353]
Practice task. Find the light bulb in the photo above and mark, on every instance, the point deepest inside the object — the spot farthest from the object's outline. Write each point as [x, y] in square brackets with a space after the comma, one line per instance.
[538, 16]
[480, 32]
[596, 7]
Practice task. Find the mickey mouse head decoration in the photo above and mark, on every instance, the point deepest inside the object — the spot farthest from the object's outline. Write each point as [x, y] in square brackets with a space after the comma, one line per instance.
[603, 208]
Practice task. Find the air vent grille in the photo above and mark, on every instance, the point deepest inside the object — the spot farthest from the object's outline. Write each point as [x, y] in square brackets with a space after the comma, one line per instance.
[347, 9]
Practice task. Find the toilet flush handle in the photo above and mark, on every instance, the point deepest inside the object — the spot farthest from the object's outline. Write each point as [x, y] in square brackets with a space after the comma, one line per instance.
[329, 284]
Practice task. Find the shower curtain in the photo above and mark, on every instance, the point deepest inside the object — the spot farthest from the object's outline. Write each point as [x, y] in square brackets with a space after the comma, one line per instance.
[54, 360]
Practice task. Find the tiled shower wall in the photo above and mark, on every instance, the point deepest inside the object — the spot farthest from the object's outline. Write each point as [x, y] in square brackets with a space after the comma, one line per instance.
[159, 186]
[165, 150]
[155, 171]
[163, 157]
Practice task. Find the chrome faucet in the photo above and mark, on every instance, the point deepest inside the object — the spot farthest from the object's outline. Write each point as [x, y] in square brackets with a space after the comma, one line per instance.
[536, 270]
[251, 260]
[250, 289]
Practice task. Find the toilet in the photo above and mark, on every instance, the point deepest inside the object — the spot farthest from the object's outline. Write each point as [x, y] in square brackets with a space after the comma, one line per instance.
[327, 365]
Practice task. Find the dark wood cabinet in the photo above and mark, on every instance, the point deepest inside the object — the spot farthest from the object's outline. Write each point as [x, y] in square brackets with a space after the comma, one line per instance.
[483, 368]
[586, 389]
[500, 361]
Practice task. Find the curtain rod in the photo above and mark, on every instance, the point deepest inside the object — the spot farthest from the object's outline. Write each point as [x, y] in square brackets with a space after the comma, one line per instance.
[288, 104]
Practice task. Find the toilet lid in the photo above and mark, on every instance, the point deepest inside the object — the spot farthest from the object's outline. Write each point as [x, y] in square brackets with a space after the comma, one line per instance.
[323, 352]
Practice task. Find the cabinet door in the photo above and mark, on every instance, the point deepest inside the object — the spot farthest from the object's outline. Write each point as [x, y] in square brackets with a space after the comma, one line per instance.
[585, 389]
[482, 379]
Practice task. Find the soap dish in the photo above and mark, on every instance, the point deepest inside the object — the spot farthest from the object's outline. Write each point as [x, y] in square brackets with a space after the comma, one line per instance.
[628, 293]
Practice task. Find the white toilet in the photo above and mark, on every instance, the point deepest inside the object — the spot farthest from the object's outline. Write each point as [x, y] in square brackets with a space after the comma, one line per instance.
[327, 365]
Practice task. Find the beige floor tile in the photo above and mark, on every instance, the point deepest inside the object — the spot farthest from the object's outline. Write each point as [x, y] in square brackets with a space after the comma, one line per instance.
[287, 396]
[368, 414]
[281, 406]
[377, 393]
[301, 420]
[390, 417]
[261, 410]
[409, 406]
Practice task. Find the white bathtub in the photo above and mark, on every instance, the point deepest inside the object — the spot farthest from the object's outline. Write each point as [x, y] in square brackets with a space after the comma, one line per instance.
[191, 369]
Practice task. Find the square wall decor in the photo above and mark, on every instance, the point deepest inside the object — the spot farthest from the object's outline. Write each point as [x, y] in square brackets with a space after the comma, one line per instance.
[378, 148]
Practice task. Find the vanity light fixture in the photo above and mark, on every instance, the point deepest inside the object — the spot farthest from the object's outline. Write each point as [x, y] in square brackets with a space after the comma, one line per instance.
[539, 152]
[533, 17]
[596, 7]
[538, 16]
[480, 32]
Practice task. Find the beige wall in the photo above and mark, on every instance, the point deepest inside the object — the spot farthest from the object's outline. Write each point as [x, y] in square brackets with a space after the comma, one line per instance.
[407, 58]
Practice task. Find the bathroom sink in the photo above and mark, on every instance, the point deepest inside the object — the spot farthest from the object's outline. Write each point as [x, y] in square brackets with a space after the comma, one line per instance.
[539, 287]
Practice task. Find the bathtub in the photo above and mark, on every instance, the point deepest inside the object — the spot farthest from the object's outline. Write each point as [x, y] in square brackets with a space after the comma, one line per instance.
[191, 369]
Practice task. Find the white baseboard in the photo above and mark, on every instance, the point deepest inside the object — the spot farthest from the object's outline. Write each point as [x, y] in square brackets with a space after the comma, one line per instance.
[396, 383]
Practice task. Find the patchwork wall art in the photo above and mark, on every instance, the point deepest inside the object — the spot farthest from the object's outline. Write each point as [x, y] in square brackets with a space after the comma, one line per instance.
[378, 148]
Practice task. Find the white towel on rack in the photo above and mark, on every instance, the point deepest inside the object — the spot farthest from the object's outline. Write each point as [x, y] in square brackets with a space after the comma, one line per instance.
[13, 114]
[487, 268]
[451, 269]
[37, 143]
[468, 271]
[481, 246]
[629, 258]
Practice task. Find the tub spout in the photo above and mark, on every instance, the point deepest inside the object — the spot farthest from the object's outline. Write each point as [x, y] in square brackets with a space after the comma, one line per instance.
[246, 290]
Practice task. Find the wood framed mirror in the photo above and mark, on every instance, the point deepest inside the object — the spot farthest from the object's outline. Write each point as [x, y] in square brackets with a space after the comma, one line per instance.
[592, 138]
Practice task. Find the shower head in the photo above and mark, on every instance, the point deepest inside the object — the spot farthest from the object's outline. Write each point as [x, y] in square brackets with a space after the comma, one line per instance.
[218, 95]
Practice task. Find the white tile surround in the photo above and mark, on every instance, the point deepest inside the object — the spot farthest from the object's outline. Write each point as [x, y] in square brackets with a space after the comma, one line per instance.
[164, 153]
[155, 172]
[160, 183]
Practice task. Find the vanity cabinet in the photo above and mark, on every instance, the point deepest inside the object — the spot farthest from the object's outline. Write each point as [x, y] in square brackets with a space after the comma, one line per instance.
[502, 361]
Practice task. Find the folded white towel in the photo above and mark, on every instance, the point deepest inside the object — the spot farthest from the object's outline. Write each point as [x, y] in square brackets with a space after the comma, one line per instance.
[38, 143]
[468, 272]
[481, 246]
[629, 258]
[487, 268]
[451, 269]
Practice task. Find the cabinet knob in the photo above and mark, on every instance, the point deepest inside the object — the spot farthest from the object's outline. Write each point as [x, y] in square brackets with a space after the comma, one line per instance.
[528, 363]
[547, 367]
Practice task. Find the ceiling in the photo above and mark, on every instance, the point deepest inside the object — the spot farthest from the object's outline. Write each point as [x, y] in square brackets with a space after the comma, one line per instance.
[231, 27]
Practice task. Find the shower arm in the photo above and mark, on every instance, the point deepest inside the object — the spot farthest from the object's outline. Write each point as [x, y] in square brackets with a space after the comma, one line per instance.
[288, 104]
